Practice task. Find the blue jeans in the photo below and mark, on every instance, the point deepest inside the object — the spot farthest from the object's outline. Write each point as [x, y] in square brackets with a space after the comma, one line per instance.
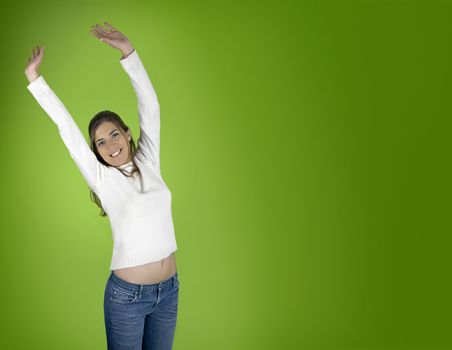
[140, 316]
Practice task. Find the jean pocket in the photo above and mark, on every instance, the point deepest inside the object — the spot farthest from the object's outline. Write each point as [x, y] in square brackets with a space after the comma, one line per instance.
[122, 296]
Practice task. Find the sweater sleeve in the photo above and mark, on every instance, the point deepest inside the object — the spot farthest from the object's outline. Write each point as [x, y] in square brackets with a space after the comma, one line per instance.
[92, 170]
[148, 108]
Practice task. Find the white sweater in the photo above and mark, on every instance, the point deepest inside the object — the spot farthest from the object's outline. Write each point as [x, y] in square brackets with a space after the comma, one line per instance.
[139, 208]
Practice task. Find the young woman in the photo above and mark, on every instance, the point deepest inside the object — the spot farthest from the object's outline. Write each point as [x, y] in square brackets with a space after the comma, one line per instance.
[141, 294]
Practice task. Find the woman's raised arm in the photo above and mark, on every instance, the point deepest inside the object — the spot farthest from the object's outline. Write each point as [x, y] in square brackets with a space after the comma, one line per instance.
[94, 172]
[147, 102]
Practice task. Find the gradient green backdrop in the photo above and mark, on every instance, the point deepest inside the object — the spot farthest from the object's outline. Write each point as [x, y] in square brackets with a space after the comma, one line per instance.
[307, 148]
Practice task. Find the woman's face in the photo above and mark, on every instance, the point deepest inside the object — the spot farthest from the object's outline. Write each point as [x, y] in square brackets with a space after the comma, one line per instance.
[109, 139]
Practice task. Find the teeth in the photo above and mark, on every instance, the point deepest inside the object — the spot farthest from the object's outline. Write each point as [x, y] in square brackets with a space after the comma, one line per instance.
[115, 154]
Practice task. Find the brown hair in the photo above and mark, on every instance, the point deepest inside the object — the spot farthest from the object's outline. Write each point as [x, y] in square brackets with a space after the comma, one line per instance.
[99, 118]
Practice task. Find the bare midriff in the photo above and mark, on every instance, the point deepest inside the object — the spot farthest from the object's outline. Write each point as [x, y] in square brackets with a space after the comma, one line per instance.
[150, 273]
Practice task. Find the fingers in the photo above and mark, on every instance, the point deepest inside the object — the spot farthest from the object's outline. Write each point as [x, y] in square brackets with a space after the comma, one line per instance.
[39, 51]
[96, 30]
[101, 29]
[96, 33]
[109, 26]
[35, 53]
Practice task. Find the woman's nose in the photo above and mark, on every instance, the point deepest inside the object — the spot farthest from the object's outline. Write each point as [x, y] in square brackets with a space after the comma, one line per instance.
[113, 147]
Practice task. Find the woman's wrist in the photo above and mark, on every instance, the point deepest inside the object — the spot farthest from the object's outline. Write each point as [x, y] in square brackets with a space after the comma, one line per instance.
[126, 52]
[32, 76]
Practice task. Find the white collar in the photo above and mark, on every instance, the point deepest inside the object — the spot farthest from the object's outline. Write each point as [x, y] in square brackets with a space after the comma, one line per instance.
[126, 165]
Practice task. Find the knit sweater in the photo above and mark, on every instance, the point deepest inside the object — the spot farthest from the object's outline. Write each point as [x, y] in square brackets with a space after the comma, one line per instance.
[138, 207]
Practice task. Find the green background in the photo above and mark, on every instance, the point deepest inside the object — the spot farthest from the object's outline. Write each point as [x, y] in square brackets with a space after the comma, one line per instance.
[306, 145]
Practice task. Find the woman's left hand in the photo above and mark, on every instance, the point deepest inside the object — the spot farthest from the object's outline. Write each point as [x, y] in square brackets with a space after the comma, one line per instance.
[112, 37]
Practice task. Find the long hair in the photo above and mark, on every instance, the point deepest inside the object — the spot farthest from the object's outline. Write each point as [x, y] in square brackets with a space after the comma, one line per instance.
[99, 118]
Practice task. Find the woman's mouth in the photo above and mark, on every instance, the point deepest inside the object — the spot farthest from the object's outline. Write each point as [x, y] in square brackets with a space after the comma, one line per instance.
[116, 153]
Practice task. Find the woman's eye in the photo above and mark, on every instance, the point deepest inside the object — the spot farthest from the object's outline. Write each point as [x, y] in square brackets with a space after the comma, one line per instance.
[101, 143]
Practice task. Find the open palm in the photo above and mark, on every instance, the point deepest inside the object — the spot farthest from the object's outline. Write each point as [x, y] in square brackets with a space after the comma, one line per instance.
[111, 36]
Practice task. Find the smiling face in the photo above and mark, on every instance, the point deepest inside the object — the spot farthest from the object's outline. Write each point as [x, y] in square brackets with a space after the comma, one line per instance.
[109, 139]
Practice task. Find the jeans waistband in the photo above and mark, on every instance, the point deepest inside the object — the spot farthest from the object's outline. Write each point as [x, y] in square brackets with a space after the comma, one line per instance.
[170, 281]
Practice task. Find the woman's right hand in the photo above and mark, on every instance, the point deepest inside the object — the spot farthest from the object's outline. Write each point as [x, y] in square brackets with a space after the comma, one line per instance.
[32, 68]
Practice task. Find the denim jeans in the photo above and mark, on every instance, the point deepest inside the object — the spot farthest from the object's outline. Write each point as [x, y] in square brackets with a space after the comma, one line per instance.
[140, 316]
